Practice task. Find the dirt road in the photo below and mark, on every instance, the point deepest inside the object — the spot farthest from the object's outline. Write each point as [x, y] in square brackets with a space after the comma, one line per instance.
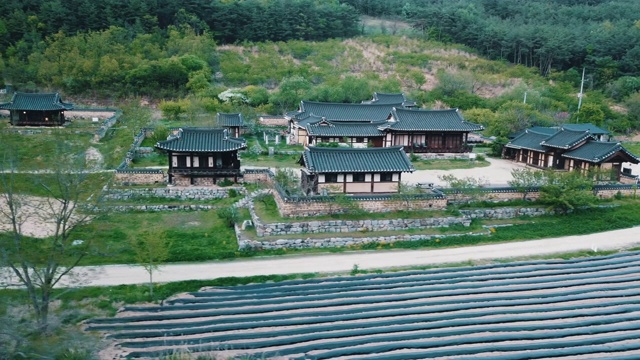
[344, 262]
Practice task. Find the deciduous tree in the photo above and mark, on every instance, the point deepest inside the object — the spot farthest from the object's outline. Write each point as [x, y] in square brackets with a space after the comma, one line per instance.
[39, 264]
[151, 247]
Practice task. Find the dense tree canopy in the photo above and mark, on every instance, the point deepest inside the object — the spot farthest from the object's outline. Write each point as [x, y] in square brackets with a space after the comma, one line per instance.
[228, 21]
[603, 36]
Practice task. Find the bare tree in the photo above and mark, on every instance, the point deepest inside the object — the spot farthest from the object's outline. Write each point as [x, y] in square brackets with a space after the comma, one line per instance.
[39, 264]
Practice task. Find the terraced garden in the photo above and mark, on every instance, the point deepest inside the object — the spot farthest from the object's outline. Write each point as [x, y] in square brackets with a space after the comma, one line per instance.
[587, 308]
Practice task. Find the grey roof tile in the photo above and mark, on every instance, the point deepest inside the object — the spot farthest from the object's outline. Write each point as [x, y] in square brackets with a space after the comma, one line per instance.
[346, 160]
[566, 139]
[599, 151]
[586, 127]
[430, 120]
[229, 120]
[36, 102]
[339, 129]
[531, 140]
[345, 112]
[202, 140]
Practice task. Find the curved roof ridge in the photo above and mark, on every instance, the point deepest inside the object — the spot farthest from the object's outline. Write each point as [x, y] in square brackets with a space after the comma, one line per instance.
[348, 104]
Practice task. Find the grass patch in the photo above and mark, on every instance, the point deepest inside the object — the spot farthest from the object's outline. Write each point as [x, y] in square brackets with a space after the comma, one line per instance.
[448, 164]
[151, 160]
[44, 148]
[194, 236]
[31, 184]
[632, 146]
[277, 160]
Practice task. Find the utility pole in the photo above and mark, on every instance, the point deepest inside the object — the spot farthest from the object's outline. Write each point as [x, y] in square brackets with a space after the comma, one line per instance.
[580, 95]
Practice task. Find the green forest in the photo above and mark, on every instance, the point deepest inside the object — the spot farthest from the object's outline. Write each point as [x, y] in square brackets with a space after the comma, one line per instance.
[264, 56]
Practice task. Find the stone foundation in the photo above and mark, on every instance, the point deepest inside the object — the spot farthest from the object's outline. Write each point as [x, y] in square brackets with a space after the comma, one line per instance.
[139, 177]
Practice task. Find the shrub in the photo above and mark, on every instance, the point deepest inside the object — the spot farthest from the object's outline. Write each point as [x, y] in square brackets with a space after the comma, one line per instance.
[229, 215]
[225, 182]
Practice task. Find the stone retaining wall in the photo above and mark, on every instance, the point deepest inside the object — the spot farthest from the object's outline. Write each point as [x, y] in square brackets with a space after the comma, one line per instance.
[250, 176]
[315, 207]
[190, 193]
[153, 208]
[346, 226]
[139, 177]
[301, 243]
[504, 213]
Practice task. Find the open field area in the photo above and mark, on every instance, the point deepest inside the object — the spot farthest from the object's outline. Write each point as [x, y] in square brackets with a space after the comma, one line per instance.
[585, 307]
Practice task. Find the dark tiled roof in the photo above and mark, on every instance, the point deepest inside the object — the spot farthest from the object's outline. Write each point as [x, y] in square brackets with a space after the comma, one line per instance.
[202, 140]
[344, 160]
[229, 120]
[566, 139]
[530, 140]
[345, 112]
[599, 151]
[340, 129]
[586, 127]
[430, 120]
[310, 120]
[539, 129]
[36, 102]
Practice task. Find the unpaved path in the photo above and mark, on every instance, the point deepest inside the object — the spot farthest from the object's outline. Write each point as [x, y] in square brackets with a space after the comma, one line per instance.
[497, 174]
[344, 262]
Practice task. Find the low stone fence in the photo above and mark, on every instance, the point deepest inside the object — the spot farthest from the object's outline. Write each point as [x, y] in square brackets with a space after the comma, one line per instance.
[137, 140]
[106, 124]
[139, 176]
[264, 176]
[189, 193]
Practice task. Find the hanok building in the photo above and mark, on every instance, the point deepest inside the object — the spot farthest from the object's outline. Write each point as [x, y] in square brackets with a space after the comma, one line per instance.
[569, 147]
[26, 109]
[232, 122]
[429, 131]
[354, 134]
[202, 156]
[381, 123]
[353, 171]
[311, 112]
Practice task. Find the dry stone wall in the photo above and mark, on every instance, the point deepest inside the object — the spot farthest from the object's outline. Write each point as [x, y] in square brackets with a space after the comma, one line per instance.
[155, 208]
[139, 177]
[188, 193]
[350, 226]
[316, 207]
[333, 242]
